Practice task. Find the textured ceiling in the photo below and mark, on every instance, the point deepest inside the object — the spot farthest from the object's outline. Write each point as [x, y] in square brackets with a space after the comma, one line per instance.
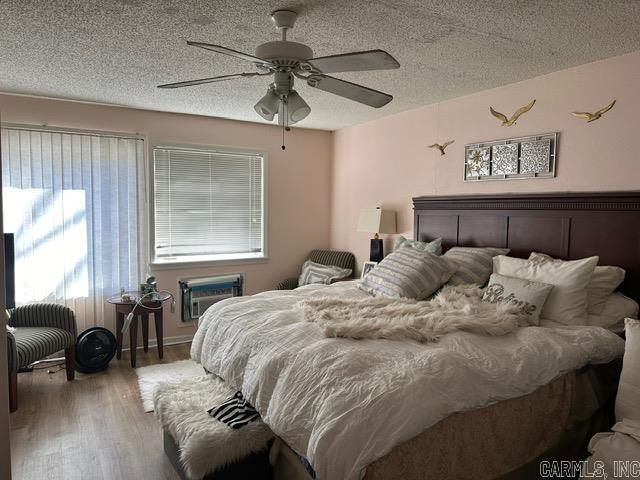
[117, 51]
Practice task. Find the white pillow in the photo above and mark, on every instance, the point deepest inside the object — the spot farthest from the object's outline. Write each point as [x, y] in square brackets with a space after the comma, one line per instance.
[528, 296]
[628, 399]
[612, 452]
[616, 308]
[313, 272]
[604, 282]
[567, 302]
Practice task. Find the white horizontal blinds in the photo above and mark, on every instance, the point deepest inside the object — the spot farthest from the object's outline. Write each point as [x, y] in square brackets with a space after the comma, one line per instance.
[75, 203]
[256, 225]
[207, 203]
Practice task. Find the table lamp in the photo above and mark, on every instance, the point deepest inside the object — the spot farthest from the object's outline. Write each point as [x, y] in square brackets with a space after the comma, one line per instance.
[376, 220]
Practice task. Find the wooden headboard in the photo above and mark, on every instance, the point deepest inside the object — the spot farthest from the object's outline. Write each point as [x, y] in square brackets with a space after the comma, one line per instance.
[563, 225]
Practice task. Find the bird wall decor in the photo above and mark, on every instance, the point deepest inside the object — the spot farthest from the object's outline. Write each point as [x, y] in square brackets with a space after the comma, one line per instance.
[507, 122]
[595, 115]
[441, 147]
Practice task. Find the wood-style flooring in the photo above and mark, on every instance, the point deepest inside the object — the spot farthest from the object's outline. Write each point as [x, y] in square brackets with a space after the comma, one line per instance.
[93, 428]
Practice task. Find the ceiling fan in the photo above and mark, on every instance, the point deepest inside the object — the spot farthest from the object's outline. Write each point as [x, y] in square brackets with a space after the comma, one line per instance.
[285, 60]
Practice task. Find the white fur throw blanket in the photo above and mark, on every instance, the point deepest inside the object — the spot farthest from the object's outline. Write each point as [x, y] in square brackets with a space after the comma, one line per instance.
[454, 308]
[206, 444]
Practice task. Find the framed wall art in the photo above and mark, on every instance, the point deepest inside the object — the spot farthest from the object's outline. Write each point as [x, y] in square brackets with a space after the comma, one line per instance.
[367, 267]
[512, 158]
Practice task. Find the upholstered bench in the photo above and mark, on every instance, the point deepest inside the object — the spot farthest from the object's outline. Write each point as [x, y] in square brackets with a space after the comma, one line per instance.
[201, 447]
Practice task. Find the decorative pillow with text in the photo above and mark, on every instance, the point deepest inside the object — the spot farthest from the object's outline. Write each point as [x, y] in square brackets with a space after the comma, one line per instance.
[567, 302]
[528, 296]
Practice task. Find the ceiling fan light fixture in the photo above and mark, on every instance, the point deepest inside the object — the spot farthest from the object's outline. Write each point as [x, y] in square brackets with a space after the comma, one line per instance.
[285, 60]
[268, 106]
[297, 107]
[267, 116]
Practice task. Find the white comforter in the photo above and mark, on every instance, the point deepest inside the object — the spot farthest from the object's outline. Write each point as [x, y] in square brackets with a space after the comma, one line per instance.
[344, 403]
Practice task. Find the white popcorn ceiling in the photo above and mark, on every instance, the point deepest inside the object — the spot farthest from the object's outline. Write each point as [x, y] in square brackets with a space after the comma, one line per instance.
[117, 51]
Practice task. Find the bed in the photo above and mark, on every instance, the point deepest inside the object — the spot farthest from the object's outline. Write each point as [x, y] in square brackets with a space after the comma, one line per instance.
[500, 432]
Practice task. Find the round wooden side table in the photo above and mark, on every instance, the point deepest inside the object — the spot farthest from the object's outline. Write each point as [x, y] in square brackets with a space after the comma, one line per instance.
[149, 306]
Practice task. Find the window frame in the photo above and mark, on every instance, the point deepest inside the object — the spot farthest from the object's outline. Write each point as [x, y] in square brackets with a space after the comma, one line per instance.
[182, 263]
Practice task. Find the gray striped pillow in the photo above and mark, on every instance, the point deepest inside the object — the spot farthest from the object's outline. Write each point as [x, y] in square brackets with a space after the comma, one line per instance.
[473, 265]
[435, 246]
[408, 273]
[313, 272]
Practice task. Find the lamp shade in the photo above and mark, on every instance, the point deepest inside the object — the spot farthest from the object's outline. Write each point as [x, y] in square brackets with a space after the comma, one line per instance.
[268, 105]
[376, 220]
[297, 107]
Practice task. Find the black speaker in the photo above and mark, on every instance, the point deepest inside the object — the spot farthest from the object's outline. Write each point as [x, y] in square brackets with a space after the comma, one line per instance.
[94, 350]
[9, 271]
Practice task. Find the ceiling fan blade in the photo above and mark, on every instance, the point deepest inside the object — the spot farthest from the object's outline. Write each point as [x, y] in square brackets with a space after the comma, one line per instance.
[355, 62]
[349, 90]
[231, 53]
[202, 81]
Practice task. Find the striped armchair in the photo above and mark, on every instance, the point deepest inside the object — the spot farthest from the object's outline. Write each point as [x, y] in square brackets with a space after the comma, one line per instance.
[325, 257]
[41, 329]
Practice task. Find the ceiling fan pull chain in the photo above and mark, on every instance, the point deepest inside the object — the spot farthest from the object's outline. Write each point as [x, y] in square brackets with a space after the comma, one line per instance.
[285, 119]
[284, 113]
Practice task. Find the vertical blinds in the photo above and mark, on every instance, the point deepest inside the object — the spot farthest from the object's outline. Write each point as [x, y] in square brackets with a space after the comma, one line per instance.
[207, 204]
[75, 202]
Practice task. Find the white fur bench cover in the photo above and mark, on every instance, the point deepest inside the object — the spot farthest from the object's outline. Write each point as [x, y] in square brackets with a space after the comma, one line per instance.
[205, 444]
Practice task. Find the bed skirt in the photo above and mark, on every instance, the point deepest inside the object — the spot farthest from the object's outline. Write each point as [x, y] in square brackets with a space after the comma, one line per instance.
[506, 440]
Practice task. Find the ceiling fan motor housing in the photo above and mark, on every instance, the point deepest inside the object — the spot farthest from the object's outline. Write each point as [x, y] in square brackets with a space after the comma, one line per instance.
[284, 19]
[282, 83]
[284, 54]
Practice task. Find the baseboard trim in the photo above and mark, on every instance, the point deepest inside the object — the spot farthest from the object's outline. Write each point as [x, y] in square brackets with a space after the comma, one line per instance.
[178, 339]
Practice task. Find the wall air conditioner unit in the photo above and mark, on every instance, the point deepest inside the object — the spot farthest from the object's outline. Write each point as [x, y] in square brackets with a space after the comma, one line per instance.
[198, 294]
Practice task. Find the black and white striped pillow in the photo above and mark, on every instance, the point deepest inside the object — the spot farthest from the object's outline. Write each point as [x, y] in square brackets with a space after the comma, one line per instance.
[473, 265]
[235, 412]
[408, 273]
[313, 272]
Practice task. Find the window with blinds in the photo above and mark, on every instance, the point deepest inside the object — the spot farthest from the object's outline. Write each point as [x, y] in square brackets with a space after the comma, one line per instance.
[208, 204]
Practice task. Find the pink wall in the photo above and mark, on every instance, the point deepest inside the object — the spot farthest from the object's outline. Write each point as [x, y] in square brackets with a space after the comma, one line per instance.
[314, 202]
[386, 162]
[298, 190]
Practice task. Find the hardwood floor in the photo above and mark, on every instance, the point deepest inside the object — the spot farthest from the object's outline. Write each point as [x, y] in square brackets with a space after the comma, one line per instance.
[91, 428]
